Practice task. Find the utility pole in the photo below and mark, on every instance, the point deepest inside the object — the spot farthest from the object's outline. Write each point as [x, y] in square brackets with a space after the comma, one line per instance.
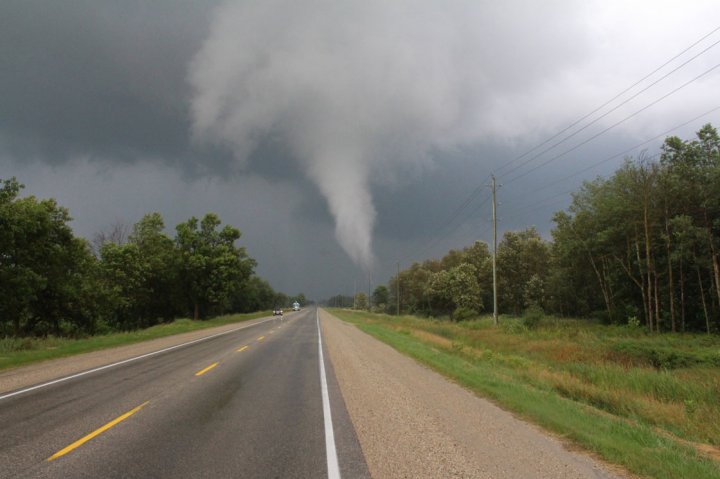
[494, 257]
[369, 304]
[397, 286]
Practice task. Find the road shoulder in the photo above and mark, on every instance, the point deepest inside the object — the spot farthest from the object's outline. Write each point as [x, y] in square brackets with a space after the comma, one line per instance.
[412, 422]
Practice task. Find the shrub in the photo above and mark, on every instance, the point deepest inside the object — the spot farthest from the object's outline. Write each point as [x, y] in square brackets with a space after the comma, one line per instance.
[532, 317]
[463, 314]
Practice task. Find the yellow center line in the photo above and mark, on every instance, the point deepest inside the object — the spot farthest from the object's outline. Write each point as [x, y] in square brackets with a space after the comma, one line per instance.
[200, 373]
[97, 432]
[261, 338]
[242, 349]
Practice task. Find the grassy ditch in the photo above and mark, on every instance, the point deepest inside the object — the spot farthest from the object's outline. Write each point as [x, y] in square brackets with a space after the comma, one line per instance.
[21, 351]
[648, 403]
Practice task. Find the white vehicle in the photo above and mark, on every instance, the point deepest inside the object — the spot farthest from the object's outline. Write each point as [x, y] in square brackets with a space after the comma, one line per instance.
[296, 306]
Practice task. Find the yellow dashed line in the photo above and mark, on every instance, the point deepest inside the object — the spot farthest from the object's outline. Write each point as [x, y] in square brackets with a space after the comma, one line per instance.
[97, 432]
[199, 373]
[242, 349]
[261, 338]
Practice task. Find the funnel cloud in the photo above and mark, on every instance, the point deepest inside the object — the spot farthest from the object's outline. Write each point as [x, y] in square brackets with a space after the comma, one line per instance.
[359, 92]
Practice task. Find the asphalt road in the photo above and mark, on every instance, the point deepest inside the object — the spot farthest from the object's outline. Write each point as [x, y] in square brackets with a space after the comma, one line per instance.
[244, 404]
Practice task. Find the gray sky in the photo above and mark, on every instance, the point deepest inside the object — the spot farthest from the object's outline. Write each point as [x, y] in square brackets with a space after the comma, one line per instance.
[341, 137]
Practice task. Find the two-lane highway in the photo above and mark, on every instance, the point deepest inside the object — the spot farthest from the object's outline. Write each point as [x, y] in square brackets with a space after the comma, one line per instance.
[244, 404]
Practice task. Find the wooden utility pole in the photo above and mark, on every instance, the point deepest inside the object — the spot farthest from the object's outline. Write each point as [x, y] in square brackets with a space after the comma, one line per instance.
[494, 257]
[369, 303]
[397, 287]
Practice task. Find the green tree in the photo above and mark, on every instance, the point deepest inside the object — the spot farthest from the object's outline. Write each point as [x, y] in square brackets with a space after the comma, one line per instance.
[254, 294]
[650, 238]
[381, 297]
[414, 282]
[141, 277]
[478, 255]
[361, 301]
[44, 268]
[579, 281]
[211, 266]
[455, 288]
[125, 276]
[521, 256]
[161, 262]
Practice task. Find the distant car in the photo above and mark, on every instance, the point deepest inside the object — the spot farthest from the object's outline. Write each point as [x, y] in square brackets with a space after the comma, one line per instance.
[277, 312]
[296, 306]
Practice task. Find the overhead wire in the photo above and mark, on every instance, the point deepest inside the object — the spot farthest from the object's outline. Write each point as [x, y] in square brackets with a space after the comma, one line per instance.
[618, 95]
[476, 192]
[602, 132]
[628, 150]
[615, 108]
[435, 241]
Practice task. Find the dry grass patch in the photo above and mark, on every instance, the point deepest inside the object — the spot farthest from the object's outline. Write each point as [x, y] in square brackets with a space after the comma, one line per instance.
[432, 338]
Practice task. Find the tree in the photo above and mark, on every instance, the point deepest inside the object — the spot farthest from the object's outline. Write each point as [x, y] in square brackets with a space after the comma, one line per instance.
[521, 255]
[125, 276]
[534, 293]
[211, 266]
[649, 236]
[478, 255]
[44, 268]
[254, 294]
[141, 276]
[578, 270]
[414, 282]
[361, 301]
[117, 233]
[340, 301]
[381, 297]
[161, 262]
[450, 290]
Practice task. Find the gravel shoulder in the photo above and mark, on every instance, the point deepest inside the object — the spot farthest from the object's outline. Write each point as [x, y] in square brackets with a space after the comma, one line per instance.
[413, 423]
[32, 374]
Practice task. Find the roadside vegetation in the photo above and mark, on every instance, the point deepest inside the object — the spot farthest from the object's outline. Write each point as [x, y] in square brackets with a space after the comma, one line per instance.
[16, 352]
[53, 283]
[640, 247]
[645, 401]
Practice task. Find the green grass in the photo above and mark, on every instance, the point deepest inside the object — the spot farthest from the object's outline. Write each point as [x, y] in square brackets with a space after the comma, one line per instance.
[23, 351]
[570, 377]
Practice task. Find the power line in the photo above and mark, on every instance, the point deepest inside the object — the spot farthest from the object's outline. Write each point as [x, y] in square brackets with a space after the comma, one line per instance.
[615, 108]
[632, 148]
[442, 237]
[613, 125]
[616, 97]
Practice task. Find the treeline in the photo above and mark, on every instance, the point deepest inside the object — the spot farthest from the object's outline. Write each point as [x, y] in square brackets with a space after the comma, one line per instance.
[52, 282]
[641, 246]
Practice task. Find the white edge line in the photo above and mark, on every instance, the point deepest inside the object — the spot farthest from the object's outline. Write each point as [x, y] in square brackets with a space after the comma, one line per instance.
[331, 451]
[107, 366]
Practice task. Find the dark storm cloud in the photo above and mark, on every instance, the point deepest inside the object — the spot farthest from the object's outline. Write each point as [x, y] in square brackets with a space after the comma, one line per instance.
[285, 116]
[104, 79]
